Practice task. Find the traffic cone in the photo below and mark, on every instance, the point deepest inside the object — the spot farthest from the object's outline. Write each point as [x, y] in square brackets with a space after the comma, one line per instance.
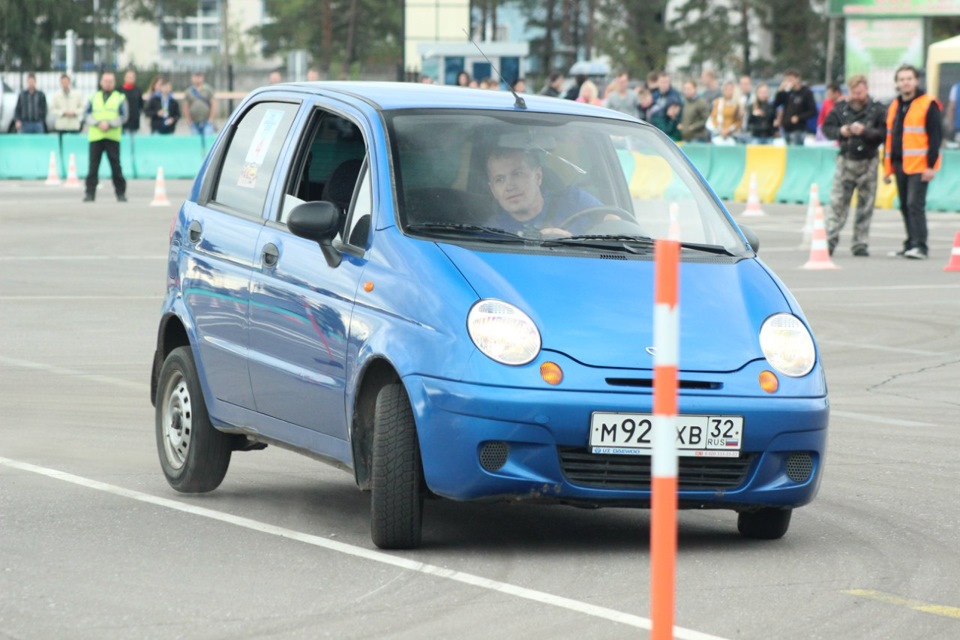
[72, 182]
[673, 232]
[753, 199]
[53, 175]
[954, 264]
[160, 191]
[812, 205]
[819, 252]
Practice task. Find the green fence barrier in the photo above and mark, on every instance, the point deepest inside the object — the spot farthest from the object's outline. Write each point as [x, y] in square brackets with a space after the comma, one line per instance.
[803, 169]
[828, 167]
[26, 156]
[180, 156]
[727, 163]
[944, 192]
[79, 145]
[699, 154]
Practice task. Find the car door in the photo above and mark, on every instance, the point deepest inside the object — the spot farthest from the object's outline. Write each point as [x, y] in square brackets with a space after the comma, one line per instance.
[300, 305]
[221, 231]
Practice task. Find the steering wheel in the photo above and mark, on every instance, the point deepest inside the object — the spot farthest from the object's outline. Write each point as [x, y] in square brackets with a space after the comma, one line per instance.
[597, 211]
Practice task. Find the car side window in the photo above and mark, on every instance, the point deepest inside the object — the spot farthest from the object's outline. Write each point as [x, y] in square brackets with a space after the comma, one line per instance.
[251, 159]
[328, 166]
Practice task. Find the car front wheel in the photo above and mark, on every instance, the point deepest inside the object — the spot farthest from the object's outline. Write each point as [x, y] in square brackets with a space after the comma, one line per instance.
[193, 455]
[396, 501]
[764, 524]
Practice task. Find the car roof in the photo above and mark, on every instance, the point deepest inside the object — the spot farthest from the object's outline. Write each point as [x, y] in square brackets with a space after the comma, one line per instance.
[387, 96]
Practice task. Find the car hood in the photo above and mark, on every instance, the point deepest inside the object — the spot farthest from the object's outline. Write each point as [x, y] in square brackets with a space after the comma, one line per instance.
[599, 311]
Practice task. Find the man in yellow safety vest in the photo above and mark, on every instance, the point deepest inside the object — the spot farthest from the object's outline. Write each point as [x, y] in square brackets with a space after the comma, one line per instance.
[912, 156]
[106, 112]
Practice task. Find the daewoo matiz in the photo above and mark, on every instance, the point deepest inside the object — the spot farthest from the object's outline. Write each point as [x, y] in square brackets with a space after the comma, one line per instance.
[449, 293]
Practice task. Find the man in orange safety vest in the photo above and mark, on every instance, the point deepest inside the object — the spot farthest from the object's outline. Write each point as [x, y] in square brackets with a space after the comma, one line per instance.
[912, 156]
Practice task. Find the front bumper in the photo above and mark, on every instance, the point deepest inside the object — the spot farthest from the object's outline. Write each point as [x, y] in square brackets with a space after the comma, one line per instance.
[538, 439]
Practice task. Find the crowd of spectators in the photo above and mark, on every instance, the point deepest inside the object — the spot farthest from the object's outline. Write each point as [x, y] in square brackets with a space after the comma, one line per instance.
[706, 110]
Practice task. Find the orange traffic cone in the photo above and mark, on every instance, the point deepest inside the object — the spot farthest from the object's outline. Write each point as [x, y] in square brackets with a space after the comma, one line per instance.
[72, 182]
[954, 264]
[160, 191]
[819, 253]
[753, 199]
[53, 174]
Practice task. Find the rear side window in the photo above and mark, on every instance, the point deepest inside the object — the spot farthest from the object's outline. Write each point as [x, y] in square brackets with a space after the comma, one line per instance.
[251, 158]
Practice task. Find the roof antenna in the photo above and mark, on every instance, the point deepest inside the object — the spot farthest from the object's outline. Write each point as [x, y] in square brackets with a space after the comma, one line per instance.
[519, 103]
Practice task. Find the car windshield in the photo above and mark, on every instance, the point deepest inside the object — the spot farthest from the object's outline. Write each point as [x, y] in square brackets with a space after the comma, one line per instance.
[532, 180]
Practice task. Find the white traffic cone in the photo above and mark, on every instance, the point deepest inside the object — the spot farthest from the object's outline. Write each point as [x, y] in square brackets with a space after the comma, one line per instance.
[160, 191]
[72, 182]
[812, 205]
[53, 174]
[673, 231]
[753, 209]
[819, 251]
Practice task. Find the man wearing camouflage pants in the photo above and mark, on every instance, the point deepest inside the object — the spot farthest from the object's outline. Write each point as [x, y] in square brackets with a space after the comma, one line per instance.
[859, 124]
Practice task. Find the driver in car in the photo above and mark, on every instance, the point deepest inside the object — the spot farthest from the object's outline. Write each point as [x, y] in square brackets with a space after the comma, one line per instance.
[515, 178]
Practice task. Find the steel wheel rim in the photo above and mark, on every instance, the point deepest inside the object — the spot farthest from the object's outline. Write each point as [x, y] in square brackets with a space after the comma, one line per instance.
[177, 421]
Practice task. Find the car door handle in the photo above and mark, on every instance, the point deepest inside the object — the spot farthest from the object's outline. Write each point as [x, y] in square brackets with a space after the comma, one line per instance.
[270, 254]
[195, 232]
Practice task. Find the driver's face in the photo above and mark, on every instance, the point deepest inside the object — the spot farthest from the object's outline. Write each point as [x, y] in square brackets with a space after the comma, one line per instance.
[516, 185]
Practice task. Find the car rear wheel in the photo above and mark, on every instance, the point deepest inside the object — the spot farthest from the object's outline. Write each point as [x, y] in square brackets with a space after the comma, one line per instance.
[193, 455]
[764, 524]
[396, 502]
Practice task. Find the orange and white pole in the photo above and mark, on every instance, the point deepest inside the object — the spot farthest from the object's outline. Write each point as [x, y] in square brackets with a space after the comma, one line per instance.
[663, 528]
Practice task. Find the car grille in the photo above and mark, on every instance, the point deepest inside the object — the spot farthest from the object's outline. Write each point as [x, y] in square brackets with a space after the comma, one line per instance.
[633, 472]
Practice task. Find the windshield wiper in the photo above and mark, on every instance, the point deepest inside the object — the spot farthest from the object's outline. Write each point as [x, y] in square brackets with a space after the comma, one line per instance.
[467, 230]
[708, 248]
[632, 244]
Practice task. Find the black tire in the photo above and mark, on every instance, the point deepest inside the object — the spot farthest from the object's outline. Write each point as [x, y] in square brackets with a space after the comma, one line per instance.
[193, 455]
[396, 501]
[764, 524]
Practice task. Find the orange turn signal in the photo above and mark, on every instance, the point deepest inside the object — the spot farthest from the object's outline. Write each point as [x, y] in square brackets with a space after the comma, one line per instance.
[368, 286]
[769, 381]
[551, 373]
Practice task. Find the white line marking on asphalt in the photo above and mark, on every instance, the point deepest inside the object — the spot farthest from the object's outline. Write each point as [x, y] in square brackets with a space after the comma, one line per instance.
[866, 417]
[73, 373]
[542, 597]
[880, 347]
[75, 258]
[56, 298]
[889, 287]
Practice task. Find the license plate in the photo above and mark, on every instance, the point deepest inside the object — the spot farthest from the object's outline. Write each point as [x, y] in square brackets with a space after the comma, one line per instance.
[632, 434]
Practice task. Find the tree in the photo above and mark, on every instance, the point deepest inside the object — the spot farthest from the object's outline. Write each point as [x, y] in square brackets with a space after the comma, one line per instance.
[635, 34]
[799, 32]
[705, 25]
[27, 29]
[342, 32]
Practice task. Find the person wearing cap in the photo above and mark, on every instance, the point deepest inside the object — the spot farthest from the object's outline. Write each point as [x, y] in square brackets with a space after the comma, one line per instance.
[201, 105]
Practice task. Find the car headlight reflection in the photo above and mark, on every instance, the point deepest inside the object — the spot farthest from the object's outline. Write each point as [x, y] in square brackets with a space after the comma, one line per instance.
[787, 345]
[503, 332]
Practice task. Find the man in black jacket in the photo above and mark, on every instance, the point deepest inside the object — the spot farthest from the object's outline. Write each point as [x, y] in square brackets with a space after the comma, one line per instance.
[798, 106]
[859, 124]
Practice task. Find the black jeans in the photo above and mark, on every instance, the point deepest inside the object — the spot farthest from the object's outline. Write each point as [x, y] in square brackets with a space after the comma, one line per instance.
[913, 207]
[113, 155]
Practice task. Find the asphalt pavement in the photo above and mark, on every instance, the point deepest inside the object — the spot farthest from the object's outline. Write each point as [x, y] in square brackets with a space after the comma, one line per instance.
[94, 544]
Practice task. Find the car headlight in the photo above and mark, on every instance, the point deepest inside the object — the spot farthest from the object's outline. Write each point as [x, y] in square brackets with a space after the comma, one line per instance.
[787, 345]
[503, 332]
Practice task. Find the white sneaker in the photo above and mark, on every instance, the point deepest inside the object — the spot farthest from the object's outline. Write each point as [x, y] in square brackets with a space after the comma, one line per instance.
[896, 254]
[915, 254]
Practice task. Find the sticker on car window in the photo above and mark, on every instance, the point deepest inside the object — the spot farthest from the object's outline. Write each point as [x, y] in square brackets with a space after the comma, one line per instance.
[259, 146]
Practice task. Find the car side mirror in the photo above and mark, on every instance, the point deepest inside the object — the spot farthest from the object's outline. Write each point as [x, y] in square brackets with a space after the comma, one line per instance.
[320, 222]
[752, 238]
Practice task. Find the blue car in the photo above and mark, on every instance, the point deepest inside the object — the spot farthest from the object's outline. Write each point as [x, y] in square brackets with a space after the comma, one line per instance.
[449, 294]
